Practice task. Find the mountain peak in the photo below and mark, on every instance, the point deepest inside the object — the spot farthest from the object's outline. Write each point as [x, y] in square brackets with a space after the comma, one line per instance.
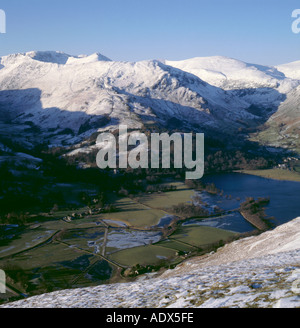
[84, 59]
[54, 57]
[224, 72]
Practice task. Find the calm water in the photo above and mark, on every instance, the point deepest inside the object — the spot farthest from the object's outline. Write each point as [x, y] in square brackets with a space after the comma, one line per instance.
[284, 195]
[233, 222]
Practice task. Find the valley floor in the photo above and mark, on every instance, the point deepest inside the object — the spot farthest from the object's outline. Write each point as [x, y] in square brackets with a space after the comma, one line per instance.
[258, 276]
[261, 282]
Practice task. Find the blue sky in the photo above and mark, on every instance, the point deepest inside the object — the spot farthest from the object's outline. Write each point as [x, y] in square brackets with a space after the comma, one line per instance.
[257, 31]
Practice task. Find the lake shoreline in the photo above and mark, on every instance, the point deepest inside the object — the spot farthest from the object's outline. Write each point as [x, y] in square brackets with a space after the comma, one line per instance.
[273, 174]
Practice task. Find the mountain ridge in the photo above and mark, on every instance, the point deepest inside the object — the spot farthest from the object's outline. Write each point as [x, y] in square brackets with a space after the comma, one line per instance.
[203, 94]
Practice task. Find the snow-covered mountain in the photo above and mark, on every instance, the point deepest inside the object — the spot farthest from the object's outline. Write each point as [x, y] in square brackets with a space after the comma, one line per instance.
[268, 83]
[261, 271]
[230, 73]
[276, 88]
[291, 70]
[75, 96]
[50, 88]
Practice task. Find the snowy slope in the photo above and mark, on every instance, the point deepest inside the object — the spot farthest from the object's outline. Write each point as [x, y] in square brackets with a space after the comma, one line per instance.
[262, 271]
[284, 238]
[51, 87]
[267, 83]
[230, 73]
[276, 88]
[291, 70]
[74, 96]
[54, 57]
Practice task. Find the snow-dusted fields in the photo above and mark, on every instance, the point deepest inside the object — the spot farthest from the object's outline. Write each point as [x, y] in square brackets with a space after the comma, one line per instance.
[262, 271]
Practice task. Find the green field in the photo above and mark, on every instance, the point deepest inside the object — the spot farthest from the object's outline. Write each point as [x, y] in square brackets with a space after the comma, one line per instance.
[134, 214]
[28, 239]
[55, 266]
[80, 237]
[165, 200]
[272, 134]
[276, 174]
[43, 256]
[198, 236]
[175, 245]
[85, 251]
[144, 255]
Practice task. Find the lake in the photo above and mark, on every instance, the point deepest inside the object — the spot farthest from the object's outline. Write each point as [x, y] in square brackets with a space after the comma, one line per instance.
[284, 198]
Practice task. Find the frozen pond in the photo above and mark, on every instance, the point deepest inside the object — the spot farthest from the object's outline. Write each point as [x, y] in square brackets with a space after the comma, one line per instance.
[119, 239]
[128, 239]
[165, 221]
